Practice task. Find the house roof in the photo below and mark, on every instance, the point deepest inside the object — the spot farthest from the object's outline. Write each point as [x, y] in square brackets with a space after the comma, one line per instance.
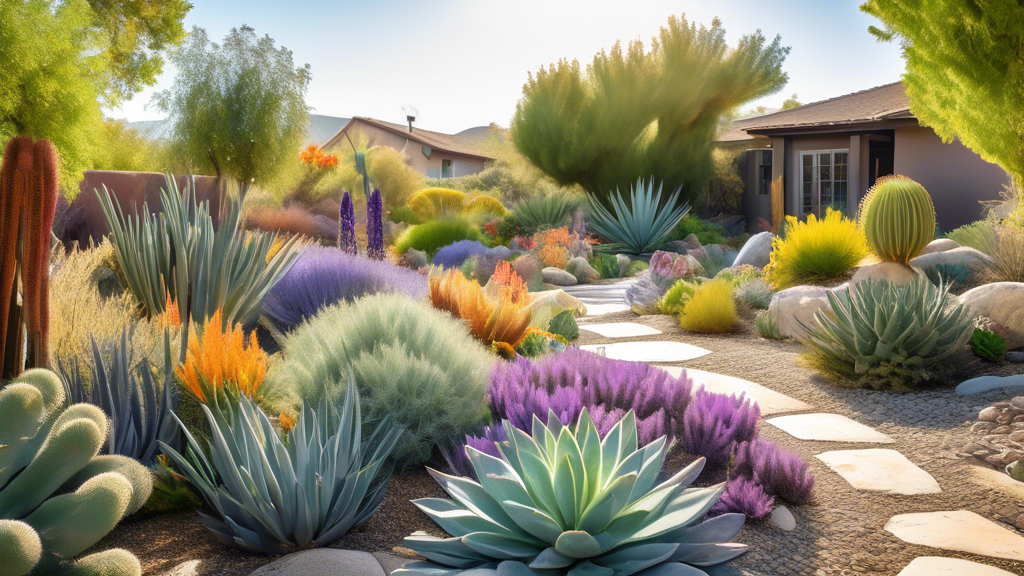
[872, 105]
[436, 140]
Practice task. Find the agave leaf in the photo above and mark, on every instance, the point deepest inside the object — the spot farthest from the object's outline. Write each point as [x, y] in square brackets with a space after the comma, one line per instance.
[577, 544]
[590, 569]
[568, 448]
[473, 496]
[566, 485]
[632, 559]
[551, 559]
[672, 569]
[641, 225]
[608, 504]
[685, 509]
[501, 547]
[718, 529]
[533, 521]
[455, 519]
[708, 554]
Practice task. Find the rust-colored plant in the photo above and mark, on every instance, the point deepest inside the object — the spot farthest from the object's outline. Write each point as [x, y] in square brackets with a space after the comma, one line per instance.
[504, 318]
[553, 255]
[509, 283]
[221, 359]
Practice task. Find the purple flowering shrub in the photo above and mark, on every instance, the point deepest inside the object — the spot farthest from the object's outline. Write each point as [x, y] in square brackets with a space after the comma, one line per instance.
[743, 496]
[347, 226]
[483, 441]
[324, 276]
[714, 423]
[781, 473]
[453, 255]
[375, 226]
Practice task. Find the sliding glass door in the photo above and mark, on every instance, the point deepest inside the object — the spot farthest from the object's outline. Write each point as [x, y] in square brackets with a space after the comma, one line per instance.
[823, 180]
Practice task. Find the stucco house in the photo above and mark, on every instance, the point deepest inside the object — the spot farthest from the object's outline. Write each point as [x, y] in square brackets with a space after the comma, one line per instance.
[433, 154]
[831, 152]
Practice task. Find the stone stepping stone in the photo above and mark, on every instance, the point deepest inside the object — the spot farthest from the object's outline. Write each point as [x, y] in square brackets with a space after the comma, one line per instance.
[960, 531]
[828, 428]
[880, 470]
[602, 309]
[323, 562]
[657, 351]
[941, 566]
[770, 401]
[621, 329]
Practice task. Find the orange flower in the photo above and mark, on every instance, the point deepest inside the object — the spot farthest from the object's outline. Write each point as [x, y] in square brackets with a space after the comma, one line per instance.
[500, 320]
[170, 317]
[503, 350]
[222, 359]
[287, 422]
[554, 255]
[512, 285]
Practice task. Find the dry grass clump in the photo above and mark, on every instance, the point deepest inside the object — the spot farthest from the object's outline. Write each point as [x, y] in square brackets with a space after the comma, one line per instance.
[1007, 254]
[292, 220]
[503, 318]
[711, 309]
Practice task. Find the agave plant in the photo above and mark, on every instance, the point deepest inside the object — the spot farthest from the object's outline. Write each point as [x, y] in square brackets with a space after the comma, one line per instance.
[268, 496]
[543, 212]
[642, 225]
[137, 417]
[911, 325]
[564, 501]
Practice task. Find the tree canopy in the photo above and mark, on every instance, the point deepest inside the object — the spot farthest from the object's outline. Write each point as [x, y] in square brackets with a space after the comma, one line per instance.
[237, 109]
[965, 70]
[640, 114]
[791, 102]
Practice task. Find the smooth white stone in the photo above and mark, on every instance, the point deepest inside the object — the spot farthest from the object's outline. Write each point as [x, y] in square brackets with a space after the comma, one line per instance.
[784, 519]
[657, 351]
[829, 428]
[986, 383]
[770, 401]
[942, 566]
[602, 309]
[621, 329]
[958, 530]
[880, 470]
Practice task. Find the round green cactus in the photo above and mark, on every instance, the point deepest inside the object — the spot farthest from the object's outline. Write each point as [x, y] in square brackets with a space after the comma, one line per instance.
[20, 548]
[898, 218]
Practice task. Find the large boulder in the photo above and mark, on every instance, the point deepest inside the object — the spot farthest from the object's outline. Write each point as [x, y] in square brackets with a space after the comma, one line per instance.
[939, 245]
[794, 308]
[557, 276]
[582, 270]
[756, 251]
[546, 305]
[976, 261]
[1003, 303]
[892, 272]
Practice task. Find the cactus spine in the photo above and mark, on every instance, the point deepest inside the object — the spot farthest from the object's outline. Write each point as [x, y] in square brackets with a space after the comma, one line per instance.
[57, 497]
[898, 218]
[28, 197]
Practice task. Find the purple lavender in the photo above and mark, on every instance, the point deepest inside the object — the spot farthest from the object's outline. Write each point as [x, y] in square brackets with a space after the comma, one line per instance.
[347, 226]
[782, 473]
[714, 423]
[453, 255]
[375, 226]
[483, 441]
[743, 496]
[322, 276]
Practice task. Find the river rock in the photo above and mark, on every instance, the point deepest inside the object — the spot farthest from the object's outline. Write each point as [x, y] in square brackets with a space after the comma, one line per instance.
[977, 262]
[892, 272]
[795, 306]
[1003, 303]
[582, 270]
[558, 277]
[939, 245]
[756, 251]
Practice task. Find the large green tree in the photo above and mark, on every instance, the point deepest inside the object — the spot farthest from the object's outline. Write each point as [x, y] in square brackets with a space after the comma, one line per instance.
[639, 114]
[60, 60]
[237, 109]
[965, 70]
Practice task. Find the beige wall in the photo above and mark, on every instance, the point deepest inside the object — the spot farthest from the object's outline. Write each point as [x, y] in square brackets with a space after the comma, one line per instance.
[955, 176]
[413, 150]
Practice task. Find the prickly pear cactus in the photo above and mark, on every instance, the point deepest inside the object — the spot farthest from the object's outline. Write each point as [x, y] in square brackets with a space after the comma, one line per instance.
[57, 497]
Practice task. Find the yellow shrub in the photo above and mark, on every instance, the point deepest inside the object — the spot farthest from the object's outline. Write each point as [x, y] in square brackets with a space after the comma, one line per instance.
[433, 203]
[554, 255]
[488, 205]
[711, 309]
[815, 251]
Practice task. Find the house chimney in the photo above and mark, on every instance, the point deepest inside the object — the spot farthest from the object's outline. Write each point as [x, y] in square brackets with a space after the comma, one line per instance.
[411, 119]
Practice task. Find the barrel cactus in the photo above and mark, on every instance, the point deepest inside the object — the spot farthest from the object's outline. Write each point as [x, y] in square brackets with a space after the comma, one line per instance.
[565, 501]
[898, 218]
[57, 497]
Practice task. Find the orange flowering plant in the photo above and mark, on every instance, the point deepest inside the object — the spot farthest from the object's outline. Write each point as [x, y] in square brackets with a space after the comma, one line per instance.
[221, 361]
[314, 156]
[504, 317]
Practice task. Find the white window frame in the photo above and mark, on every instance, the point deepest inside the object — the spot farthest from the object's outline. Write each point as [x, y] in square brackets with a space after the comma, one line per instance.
[816, 167]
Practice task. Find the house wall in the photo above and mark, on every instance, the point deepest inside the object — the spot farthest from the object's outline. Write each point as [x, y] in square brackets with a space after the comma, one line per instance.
[956, 177]
[412, 149]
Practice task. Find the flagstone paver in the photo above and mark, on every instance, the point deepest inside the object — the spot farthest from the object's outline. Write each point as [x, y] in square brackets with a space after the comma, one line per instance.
[621, 329]
[828, 427]
[958, 530]
[940, 566]
[602, 309]
[770, 401]
[880, 470]
[657, 351]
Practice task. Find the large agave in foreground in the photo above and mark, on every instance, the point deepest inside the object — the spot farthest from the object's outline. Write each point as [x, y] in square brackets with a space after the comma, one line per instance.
[564, 501]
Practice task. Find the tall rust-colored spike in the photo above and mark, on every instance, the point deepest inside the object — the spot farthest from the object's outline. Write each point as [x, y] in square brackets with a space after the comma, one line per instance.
[14, 176]
[38, 220]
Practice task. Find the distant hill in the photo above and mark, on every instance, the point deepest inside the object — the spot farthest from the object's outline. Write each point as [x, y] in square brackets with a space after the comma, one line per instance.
[321, 128]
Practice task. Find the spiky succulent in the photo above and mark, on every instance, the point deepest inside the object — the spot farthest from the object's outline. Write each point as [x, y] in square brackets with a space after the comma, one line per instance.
[988, 345]
[898, 218]
[564, 501]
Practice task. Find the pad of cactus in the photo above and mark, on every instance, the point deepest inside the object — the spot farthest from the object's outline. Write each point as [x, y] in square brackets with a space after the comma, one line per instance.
[898, 218]
[565, 501]
[57, 497]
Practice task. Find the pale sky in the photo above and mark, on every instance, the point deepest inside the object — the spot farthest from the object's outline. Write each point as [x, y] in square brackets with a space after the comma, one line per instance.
[462, 63]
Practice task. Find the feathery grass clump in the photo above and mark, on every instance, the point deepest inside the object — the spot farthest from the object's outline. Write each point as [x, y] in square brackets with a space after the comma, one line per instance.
[816, 251]
[710, 309]
[412, 362]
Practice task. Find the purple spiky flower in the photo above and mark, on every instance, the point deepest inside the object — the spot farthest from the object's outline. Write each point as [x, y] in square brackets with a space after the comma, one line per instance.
[484, 441]
[782, 473]
[743, 496]
[375, 226]
[347, 226]
[714, 423]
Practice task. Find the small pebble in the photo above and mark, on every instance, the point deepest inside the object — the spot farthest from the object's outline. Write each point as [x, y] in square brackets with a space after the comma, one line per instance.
[784, 519]
[1016, 356]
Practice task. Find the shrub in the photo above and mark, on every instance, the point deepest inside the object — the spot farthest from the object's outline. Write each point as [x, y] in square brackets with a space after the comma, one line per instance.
[606, 265]
[453, 255]
[988, 345]
[486, 206]
[556, 256]
[979, 235]
[57, 497]
[504, 317]
[636, 267]
[564, 324]
[706, 232]
[412, 362]
[755, 293]
[711, 309]
[324, 276]
[599, 495]
[290, 220]
[431, 236]
[744, 496]
[815, 251]
[766, 326]
[714, 423]
[641, 225]
[782, 473]
[308, 492]
[543, 212]
[678, 295]
[898, 218]
[1008, 254]
[908, 325]
[432, 203]
[403, 215]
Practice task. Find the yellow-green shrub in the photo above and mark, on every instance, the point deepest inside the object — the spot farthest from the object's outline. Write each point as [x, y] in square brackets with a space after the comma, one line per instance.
[487, 205]
[436, 234]
[436, 203]
[711, 309]
[815, 251]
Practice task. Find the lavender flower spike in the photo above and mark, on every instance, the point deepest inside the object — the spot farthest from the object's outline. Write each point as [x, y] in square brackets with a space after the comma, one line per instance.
[347, 226]
[375, 226]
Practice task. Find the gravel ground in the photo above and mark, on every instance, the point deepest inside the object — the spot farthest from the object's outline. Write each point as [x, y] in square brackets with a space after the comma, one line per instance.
[839, 534]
